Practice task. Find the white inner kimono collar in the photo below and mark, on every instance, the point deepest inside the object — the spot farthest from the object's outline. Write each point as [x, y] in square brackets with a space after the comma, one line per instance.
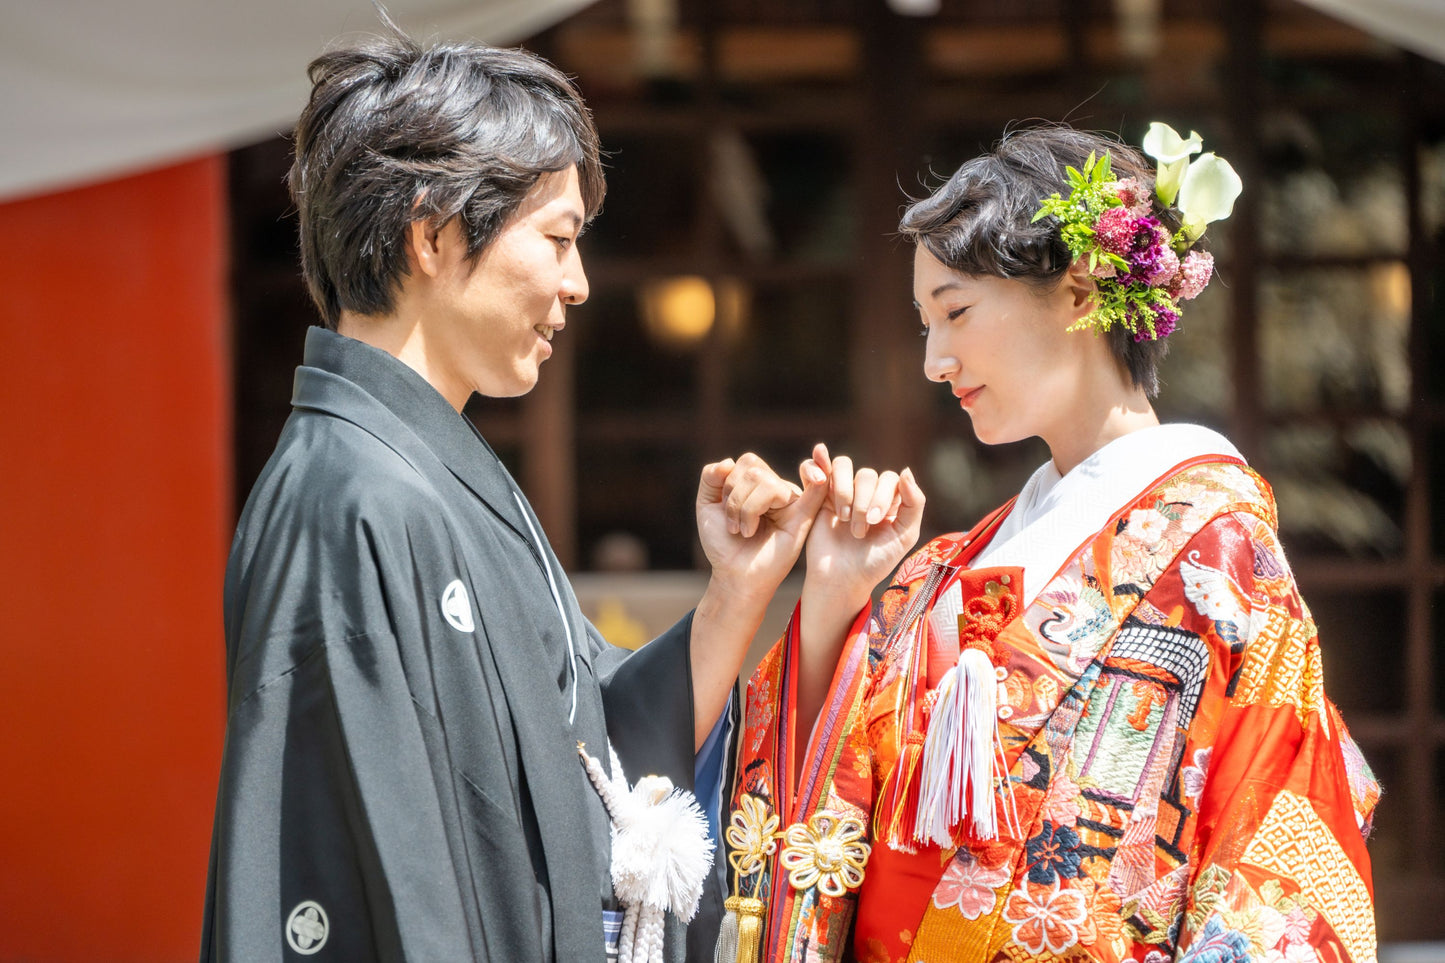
[1055, 514]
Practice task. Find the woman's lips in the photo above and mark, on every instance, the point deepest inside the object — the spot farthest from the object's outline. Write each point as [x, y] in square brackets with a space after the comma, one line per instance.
[967, 396]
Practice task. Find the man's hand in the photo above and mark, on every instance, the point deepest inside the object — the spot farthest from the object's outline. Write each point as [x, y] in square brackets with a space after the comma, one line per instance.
[753, 524]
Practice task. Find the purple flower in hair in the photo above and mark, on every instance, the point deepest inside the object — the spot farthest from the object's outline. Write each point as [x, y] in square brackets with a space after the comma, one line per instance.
[1150, 242]
[1166, 319]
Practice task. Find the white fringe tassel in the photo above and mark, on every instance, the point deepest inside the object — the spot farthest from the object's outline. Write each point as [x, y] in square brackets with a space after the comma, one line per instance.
[661, 854]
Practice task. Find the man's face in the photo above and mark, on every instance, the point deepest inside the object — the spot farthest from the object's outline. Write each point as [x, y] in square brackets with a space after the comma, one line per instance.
[495, 317]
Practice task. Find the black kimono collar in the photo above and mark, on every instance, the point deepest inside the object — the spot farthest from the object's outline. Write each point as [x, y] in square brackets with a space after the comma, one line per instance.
[422, 409]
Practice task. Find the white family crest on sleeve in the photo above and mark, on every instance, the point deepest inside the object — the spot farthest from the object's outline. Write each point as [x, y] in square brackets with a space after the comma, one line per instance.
[307, 928]
[457, 606]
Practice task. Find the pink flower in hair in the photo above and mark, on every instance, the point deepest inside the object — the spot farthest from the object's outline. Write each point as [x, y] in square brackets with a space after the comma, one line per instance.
[1194, 274]
[1164, 267]
[1115, 230]
[1133, 194]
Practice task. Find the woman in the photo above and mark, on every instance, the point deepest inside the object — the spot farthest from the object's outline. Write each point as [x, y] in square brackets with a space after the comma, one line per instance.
[1093, 726]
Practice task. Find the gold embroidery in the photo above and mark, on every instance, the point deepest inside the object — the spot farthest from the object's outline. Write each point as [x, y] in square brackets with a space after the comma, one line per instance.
[1293, 842]
[1282, 666]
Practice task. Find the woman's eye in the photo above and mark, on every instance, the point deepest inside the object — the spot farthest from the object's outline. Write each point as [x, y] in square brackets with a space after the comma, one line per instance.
[957, 313]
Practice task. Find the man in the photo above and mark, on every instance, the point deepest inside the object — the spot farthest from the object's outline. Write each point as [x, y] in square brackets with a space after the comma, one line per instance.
[409, 672]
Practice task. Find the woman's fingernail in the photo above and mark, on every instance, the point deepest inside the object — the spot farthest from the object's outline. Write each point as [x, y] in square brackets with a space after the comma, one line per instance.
[875, 515]
[846, 513]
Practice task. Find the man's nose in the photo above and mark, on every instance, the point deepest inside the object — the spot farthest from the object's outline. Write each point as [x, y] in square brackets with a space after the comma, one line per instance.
[574, 281]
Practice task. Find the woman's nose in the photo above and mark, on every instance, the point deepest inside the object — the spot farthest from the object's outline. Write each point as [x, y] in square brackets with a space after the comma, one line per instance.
[938, 365]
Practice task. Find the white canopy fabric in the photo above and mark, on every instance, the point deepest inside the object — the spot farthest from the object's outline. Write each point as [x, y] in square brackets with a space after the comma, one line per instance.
[94, 89]
[1417, 25]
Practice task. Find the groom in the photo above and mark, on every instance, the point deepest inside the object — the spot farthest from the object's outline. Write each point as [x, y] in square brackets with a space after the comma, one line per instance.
[409, 673]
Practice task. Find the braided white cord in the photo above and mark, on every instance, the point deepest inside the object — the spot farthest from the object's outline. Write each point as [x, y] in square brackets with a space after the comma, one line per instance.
[626, 945]
[650, 930]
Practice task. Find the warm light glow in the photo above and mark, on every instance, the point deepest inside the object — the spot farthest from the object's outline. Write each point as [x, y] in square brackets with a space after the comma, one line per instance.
[1391, 284]
[679, 310]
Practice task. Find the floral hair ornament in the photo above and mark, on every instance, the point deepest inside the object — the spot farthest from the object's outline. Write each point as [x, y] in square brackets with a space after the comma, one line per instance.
[1142, 272]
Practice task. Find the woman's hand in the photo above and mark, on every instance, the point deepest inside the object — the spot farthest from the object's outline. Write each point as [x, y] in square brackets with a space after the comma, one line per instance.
[867, 525]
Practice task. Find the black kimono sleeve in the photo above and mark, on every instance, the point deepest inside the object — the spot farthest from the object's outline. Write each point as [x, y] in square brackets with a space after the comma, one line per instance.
[328, 816]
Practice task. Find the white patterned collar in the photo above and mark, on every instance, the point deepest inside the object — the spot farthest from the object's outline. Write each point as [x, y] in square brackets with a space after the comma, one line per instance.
[1056, 514]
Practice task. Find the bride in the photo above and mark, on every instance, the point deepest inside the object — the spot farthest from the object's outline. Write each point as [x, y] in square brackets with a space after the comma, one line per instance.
[1093, 726]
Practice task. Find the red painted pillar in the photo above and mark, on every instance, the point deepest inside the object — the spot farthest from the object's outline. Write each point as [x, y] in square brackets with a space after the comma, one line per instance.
[115, 509]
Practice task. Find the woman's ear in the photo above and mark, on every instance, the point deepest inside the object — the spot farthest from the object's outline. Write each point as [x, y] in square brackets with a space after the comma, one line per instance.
[1078, 289]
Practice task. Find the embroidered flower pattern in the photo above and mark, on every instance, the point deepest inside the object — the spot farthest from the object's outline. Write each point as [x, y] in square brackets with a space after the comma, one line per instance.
[1061, 805]
[1045, 917]
[1217, 944]
[970, 886]
[751, 835]
[1053, 852]
[1147, 525]
[760, 711]
[1194, 775]
[827, 852]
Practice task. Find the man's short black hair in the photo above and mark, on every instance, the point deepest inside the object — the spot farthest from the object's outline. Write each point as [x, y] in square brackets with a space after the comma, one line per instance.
[397, 132]
[980, 222]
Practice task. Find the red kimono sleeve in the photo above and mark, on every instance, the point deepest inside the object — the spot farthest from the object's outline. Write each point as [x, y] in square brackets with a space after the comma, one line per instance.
[1280, 869]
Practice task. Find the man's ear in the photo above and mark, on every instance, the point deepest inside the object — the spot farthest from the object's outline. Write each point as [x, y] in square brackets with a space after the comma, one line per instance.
[425, 246]
[1078, 288]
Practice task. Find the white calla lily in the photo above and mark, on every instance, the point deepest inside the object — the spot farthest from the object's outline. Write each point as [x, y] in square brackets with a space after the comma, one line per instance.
[1207, 194]
[1172, 154]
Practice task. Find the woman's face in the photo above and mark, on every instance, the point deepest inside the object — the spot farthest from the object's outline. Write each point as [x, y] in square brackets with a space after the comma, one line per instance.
[1006, 351]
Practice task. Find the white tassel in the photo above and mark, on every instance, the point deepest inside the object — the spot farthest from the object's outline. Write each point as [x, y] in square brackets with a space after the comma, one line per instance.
[962, 754]
[661, 854]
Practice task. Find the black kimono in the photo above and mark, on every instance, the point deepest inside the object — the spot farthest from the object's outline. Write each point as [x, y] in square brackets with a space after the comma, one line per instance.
[400, 778]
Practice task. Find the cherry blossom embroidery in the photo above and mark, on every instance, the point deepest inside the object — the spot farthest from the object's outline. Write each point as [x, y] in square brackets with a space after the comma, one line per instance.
[970, 886]
[1194, 775]
[1045, 917]
[1147, 525]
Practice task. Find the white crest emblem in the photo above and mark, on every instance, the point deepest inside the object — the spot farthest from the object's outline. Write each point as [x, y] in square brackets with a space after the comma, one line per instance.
[306, 928]
[457, 606]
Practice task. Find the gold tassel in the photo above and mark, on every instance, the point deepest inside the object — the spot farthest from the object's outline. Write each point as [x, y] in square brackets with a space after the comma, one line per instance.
[749, 912]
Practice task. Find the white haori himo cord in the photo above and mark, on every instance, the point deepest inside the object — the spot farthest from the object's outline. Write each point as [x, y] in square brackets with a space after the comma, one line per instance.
[962, 751]
[661, 854]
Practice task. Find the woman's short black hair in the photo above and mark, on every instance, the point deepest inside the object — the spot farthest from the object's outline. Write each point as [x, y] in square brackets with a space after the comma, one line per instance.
[397, 132]
[980, 222]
